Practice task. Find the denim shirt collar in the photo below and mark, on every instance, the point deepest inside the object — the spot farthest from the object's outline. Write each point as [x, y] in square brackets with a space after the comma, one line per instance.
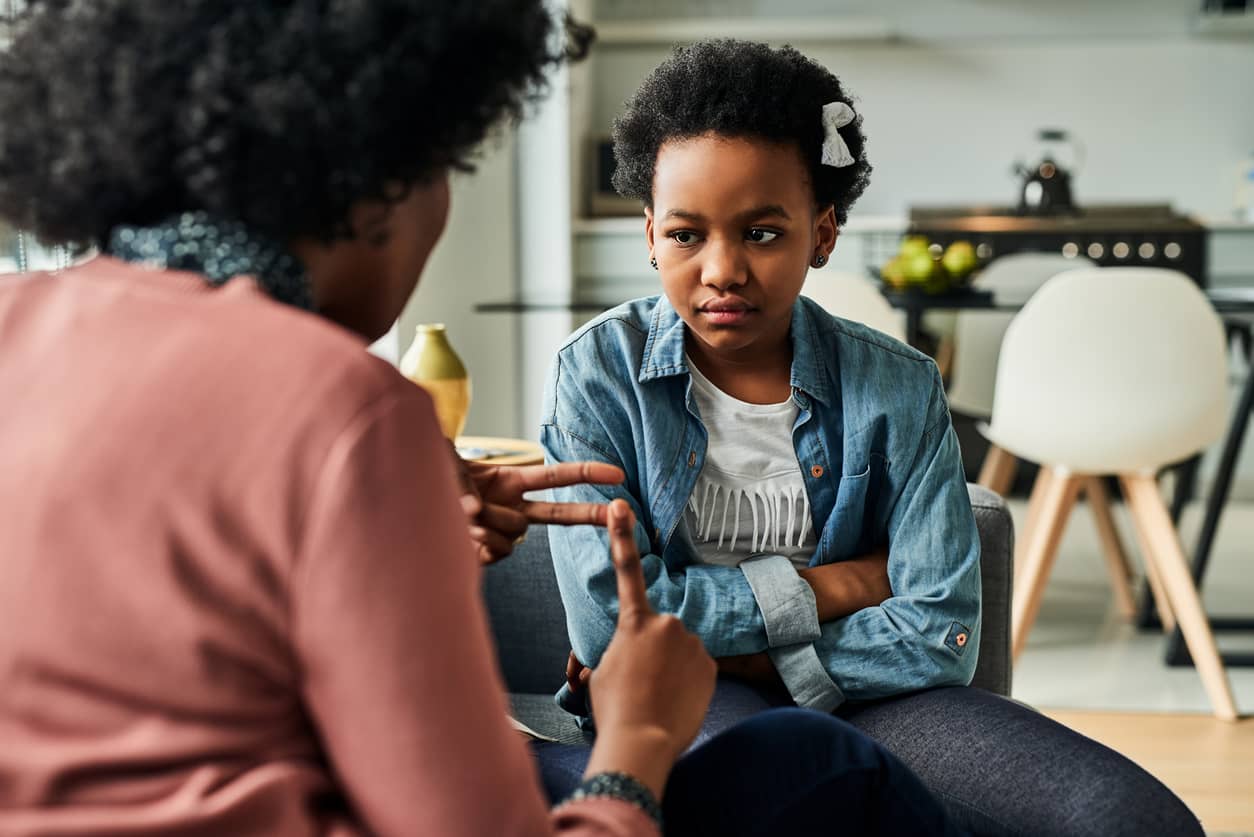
[664, 350]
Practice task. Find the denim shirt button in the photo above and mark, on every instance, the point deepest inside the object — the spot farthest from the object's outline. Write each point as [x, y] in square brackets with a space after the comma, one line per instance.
[816, 471]
[958, 638]
[692, 458]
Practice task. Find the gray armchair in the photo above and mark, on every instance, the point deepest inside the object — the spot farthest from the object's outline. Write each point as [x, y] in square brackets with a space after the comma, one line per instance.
[529, 623]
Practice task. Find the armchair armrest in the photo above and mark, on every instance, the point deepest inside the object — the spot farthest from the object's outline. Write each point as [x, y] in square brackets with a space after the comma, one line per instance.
[997, 575]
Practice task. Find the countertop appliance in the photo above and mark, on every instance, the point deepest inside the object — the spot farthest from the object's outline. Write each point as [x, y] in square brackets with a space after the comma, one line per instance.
[1045, 186]
[1145, 235]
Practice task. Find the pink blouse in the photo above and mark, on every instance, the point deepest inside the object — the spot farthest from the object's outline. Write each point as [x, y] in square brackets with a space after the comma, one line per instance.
[237, 595]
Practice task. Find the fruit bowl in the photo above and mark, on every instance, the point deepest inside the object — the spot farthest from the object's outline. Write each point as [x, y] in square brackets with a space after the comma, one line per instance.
[960, 290]
[923, 267]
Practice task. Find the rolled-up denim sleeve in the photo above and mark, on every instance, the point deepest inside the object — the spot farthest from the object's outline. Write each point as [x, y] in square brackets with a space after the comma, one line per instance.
[928, 633]
[784, 599]
[805, 677]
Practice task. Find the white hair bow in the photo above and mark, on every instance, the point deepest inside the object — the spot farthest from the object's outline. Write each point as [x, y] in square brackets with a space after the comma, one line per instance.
[835, 153]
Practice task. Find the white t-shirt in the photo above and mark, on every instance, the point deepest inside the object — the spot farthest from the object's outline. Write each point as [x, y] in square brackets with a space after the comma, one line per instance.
[750, 496]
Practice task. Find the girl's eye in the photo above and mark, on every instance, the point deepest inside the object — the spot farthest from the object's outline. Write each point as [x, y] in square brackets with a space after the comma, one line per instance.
[761, 236]
[684, 237]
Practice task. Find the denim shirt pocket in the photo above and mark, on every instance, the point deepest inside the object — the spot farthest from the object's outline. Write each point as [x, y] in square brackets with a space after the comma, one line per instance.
[851, 527]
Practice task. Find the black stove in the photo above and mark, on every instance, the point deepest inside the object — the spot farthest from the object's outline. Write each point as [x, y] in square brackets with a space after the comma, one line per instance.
[1142, 235]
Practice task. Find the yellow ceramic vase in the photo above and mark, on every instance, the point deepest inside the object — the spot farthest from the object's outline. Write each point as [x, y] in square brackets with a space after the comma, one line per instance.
[433, 365]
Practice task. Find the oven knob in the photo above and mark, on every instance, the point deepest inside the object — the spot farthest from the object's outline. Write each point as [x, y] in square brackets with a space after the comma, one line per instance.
[1121, 250]
[1172, 250]
[1096, 250]
[1146, 251]
[984, 251]
[1070, 250]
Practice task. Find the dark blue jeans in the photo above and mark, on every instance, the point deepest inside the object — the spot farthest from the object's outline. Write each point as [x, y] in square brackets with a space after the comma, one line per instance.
[1002, 768]
[999, 768]
[780, 772]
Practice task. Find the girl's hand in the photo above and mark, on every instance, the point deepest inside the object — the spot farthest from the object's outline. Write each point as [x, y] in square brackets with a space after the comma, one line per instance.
[577, 674]
[754, 668]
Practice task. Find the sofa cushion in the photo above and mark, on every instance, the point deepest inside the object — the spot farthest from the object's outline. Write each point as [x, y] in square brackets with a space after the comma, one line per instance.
[527, 617]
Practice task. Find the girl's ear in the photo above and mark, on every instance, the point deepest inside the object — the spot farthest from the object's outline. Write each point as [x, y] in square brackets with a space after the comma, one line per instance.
[825, 231]
[648, 228]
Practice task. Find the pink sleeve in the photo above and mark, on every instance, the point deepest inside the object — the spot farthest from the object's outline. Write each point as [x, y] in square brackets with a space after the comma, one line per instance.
[395, 651]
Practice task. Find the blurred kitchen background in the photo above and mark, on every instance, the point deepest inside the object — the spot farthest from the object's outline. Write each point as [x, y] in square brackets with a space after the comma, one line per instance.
[1159, 94]
[1155, 98]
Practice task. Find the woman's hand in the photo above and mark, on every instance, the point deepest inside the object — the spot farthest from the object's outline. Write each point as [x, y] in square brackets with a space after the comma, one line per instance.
[655, 680]
[497, 514]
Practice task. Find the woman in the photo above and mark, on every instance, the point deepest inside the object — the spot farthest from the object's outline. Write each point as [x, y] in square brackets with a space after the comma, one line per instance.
[237, 595]
[237, 591]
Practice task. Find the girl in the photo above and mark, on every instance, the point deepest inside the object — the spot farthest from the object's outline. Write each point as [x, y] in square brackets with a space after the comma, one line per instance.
[797, 482]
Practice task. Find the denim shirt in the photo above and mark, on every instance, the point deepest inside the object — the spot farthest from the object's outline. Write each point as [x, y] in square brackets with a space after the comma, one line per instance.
[881, 466]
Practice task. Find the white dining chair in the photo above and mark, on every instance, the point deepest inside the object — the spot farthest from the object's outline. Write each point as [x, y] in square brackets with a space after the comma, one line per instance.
[972, 379]
[977, 334]
[850, 296]
[1114, 371]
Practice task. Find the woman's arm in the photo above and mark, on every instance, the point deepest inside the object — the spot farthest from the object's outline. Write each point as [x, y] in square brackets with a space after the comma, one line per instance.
[393, 646]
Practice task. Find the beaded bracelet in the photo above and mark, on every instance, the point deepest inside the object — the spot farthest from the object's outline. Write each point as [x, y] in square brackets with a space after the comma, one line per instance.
[621, 786]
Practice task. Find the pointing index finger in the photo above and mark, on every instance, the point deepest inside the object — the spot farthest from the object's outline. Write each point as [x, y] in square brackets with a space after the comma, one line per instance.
[633, 599]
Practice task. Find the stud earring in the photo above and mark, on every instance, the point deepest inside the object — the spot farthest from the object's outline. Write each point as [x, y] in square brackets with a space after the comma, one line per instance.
[820, 260]
[653, 263]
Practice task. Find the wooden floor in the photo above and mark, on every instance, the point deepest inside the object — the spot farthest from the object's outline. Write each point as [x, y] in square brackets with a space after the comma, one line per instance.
[1208, 763]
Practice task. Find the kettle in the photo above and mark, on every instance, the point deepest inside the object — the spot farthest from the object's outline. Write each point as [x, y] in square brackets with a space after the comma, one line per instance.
[1045, 188]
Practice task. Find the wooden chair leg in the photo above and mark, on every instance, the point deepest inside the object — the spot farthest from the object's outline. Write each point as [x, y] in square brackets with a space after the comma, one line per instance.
[1112, 546]
[998, 471]
[1162, 602]
[1039, 486]
[1039, 553]
[1173, 568]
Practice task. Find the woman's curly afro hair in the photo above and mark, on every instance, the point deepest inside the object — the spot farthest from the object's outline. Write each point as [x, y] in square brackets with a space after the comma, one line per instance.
[738, 89]
[278, 113]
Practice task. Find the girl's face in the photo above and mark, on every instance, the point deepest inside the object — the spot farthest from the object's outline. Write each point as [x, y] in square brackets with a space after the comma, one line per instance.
[734, 229]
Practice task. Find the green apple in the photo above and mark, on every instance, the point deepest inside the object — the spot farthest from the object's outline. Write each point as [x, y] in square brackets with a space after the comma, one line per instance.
[960, 260]
[918, 266]
[912, 244]
[940, 280]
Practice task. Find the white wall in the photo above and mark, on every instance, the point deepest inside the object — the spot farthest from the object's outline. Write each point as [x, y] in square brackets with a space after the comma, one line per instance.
[475, 262]
[545, 181]
[1165, 116]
